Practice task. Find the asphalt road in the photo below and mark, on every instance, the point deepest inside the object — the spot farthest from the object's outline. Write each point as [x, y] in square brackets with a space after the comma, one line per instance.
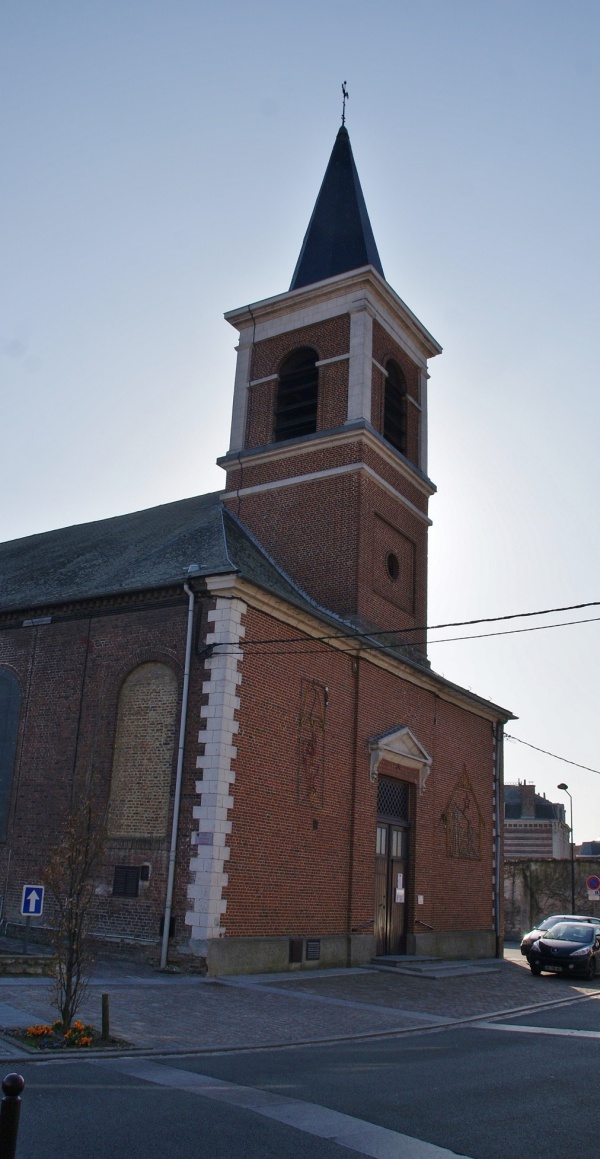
[495, 1091]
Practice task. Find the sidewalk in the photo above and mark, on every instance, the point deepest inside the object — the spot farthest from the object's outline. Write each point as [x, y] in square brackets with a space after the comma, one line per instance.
[173, 1012]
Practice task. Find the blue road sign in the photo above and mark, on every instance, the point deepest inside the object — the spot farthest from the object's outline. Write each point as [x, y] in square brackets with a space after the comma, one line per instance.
[32, 902]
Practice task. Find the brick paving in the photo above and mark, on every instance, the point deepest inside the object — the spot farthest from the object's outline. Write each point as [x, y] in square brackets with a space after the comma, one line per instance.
[460, 997]
[176, 1012]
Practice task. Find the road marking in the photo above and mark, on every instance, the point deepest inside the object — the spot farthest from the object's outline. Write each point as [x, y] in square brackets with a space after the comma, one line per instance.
[553, 1030]
[356, 1134]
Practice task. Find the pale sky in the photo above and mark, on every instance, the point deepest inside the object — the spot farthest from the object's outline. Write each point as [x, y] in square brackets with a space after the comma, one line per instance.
[160, 162]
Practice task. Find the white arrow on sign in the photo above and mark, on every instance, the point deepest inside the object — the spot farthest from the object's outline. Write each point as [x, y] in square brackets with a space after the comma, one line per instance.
[32, 901]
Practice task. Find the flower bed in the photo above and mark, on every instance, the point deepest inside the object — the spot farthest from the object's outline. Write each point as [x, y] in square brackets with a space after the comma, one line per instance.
[45, 1036]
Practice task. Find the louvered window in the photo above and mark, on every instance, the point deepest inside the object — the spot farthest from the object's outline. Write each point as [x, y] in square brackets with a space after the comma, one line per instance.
[394, 413]
[297, 395]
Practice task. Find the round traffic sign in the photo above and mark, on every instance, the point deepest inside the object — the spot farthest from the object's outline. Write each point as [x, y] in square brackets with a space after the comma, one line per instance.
[593, 882]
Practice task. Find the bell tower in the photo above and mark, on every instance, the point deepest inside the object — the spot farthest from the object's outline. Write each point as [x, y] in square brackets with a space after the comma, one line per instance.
[327, 464]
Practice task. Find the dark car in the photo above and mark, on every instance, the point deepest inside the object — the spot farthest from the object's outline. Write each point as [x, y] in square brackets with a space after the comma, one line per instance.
[538, 931]
[567, 948]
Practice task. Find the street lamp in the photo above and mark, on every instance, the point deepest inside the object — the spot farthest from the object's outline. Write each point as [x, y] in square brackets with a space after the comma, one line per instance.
[565, 789]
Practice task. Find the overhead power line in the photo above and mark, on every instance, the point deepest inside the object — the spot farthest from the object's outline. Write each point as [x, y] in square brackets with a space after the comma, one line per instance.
[302, 651]
[547, 753]
[515, 631]
[357, 634]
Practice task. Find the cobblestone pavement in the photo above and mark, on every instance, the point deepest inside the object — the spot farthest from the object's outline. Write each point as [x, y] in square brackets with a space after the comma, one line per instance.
[175, 1012]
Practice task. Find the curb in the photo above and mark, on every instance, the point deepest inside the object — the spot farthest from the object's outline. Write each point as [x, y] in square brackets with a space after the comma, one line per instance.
[31, 1054]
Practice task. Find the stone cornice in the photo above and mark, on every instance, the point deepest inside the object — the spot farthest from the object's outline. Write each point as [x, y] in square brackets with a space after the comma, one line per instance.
[313, 476]
[360, 289]
[322, 441]
[111, 604]
[235, 587]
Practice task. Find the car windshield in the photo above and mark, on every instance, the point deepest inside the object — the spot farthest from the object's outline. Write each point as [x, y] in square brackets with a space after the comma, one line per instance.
[571, 932]
[545, 925]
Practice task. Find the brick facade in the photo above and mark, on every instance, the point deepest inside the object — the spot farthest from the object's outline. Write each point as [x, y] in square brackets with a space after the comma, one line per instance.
[308, 678]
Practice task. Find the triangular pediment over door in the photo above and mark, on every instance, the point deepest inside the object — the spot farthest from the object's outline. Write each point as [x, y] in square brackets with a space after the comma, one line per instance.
[401, 747]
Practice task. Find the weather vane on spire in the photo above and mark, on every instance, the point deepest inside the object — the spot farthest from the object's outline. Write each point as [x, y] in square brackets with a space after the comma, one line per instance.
[345, 97]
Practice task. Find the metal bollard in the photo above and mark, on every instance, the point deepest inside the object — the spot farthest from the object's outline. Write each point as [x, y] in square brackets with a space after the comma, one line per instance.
[10, 1108]
[105, 1020]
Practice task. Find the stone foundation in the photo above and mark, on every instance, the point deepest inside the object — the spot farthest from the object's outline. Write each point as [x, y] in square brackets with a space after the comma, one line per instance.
[272, 955]
[453, 944]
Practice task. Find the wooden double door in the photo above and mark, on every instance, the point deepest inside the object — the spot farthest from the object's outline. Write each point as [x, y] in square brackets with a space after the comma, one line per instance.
[391, 872]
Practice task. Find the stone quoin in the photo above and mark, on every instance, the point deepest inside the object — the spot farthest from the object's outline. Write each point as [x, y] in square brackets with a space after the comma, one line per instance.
[338, 798]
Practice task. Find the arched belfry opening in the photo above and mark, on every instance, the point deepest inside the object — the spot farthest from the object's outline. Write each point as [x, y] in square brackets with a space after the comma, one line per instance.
[297, 395]
[394, 407]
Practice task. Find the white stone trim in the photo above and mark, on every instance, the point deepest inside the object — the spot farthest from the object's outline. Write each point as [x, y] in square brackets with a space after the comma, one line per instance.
[423, 379]
[258, 381]
[409, 397]
[324, 441]
[335, 296]
[211, 841]
[264, 601]
[345, 469]
[401, 747]
[360, 373]
[336, 358]
[240, 394]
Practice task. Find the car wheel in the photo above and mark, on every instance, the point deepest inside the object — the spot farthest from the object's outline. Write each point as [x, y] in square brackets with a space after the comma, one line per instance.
[535, 969]
[591, 969]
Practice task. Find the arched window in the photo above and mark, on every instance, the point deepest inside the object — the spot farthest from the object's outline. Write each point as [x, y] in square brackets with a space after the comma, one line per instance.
[394, 407]
[297, 395]
[10, 705]
[143, 753]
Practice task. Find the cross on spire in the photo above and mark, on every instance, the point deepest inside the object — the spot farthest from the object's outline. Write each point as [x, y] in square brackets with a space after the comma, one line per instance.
[345, 97]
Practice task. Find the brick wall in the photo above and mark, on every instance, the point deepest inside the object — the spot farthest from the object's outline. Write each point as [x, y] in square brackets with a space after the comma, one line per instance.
[72, 673]
[301, 857]
[329, 339]
[384, 348]
[300, 867]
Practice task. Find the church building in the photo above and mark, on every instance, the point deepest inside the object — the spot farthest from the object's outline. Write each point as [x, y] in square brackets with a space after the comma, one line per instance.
[239, 682]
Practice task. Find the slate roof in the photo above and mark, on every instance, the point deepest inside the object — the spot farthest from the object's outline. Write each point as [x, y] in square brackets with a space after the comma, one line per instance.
[153, 549]
[131, 553]
[545, 810]
[339, 237]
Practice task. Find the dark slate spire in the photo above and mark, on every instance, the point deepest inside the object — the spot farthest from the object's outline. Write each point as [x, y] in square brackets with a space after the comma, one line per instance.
[339, 235]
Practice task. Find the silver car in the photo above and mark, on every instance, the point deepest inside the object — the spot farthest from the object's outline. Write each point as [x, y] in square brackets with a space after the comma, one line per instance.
[538, 931]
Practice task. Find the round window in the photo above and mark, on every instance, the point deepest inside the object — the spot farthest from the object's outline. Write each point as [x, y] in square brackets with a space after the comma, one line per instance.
[392, 565]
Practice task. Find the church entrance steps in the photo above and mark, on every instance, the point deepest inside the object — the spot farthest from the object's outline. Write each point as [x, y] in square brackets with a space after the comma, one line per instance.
[420, 966]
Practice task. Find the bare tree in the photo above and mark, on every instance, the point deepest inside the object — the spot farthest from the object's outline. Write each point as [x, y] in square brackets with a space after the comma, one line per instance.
[70, 880]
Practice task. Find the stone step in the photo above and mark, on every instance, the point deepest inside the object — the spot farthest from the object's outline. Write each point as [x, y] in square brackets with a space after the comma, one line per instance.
[422, 967]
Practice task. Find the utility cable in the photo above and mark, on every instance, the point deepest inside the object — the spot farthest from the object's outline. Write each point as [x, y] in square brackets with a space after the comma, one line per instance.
[356, 633]
[547, 753]
[364, 636]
